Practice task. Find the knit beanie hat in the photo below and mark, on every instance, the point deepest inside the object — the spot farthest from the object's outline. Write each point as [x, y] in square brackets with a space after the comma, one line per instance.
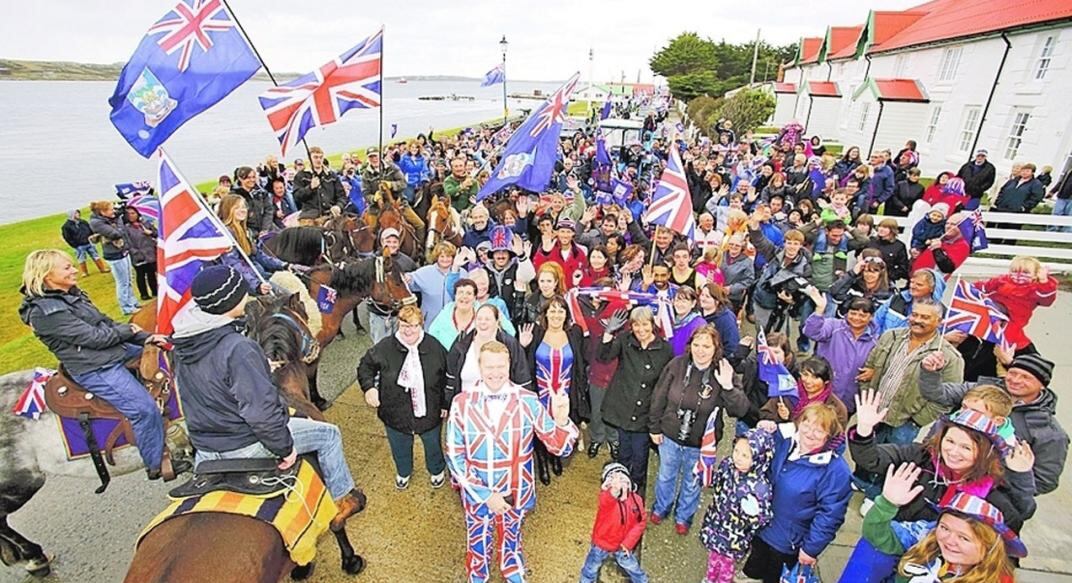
[1037, 366]
[217, 289]
[942, 208]
[613, 468]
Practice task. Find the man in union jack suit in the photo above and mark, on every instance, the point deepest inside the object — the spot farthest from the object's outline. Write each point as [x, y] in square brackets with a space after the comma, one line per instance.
[489, 453]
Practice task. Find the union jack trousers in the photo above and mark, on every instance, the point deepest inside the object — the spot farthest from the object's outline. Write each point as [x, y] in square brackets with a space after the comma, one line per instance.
[487, 455]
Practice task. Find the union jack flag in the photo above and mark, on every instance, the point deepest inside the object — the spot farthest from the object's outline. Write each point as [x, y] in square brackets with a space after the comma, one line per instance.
[188, 25]
[147, 205]
[32, 401]
[779, 382]
[704, 470]
[973, 312]
[661, 305]
[189, 237]
[671, 205]
[320, 98]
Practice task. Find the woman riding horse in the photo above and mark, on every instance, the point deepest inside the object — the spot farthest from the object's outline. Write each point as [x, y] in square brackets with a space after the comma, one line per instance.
[93, 348]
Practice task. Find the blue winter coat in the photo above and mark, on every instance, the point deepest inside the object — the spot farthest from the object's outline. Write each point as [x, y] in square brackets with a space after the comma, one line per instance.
[415, 168]
[882, 184]
[893, 313]
[811, 495]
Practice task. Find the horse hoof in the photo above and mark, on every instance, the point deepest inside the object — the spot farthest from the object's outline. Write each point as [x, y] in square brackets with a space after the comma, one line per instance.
[302, 572]
[353, 565]
[40, 567]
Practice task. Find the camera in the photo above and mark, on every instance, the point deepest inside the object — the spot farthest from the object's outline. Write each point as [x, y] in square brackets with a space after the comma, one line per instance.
[686, 418]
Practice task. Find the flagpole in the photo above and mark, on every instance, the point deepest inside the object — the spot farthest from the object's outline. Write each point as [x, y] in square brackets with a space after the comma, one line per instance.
[249, 41]
[945, 319]
[382, 28]
[212, 216]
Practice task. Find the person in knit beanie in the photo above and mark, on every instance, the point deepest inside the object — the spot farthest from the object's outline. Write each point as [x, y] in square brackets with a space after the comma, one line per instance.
[619, 525]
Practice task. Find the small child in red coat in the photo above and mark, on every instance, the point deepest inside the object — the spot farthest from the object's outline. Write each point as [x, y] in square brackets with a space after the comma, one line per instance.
[618, 528]
[1025, 287]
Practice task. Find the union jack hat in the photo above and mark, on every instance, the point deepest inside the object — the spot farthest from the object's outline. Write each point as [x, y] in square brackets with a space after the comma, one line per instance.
[980, 510]
[501, 238]
[982, 423]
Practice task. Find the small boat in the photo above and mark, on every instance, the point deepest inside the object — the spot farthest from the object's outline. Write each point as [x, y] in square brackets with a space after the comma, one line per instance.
[402, 81]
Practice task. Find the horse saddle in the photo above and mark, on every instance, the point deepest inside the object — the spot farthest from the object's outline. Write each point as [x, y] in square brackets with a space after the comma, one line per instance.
[254, 476]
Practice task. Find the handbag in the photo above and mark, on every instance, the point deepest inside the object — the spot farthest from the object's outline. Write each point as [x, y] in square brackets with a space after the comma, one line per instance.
[799, 574]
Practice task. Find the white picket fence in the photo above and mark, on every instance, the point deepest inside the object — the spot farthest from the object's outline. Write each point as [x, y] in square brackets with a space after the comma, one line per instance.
[995, 259]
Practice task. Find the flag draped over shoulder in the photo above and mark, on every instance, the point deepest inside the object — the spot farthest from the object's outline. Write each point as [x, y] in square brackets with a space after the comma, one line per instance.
[493, 77]
[779, 382]
[187, 62]
[189, 237]
[318, 99]
[529, 157]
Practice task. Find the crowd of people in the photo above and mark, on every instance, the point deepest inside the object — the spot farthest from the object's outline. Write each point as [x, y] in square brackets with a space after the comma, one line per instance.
[565, 310]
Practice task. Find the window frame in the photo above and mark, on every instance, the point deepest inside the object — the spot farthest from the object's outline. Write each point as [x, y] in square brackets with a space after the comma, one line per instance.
[1045, 58]
[1017, 128]
[967, 134]
[932, 123]
[950, 64]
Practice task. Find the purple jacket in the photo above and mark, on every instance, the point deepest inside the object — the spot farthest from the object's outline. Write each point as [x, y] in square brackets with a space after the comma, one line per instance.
[834, 341]
[679, 342]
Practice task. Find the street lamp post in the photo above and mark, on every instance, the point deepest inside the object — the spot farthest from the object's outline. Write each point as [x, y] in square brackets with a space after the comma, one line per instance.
[591, 81]
[502, 45]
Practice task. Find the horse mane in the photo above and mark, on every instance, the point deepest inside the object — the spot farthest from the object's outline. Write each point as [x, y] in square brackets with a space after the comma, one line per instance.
[275, 337]
[301, 245]
[354, 277]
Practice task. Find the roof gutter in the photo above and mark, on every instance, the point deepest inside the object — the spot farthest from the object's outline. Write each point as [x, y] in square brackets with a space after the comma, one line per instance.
[867, 72]
[829, 71]
[878, 122]
[990, 98]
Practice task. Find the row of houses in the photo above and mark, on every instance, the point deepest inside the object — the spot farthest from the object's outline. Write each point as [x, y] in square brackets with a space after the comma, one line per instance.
[953, 75]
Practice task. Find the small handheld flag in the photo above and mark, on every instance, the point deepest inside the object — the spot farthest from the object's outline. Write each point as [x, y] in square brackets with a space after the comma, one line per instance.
[32, 401]
[973, 312]
[779, 382]
[671, 205]
[973, 229]
[325, 299]
[125, 190]
[704, 470]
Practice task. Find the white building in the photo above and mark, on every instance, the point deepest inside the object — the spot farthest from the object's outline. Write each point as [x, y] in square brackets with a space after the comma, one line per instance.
[954, 75]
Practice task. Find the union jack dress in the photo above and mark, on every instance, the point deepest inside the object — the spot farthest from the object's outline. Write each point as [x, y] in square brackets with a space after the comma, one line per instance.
[553, 369]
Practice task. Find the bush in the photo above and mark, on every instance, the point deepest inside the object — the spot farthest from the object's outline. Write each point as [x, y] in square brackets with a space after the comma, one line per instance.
[748, 109]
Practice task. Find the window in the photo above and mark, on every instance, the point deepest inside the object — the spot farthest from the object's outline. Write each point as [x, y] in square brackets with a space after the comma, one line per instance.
[932, 126]
[967, 127]
[947, 71]
[861, 123]
[1016, 133]
[1045, 57]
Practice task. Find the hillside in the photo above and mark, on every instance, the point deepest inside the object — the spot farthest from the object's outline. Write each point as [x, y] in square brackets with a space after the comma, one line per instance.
[68, 71]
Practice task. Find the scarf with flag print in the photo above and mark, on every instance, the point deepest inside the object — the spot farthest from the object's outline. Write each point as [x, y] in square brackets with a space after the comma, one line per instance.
[705, 467]
[32, 401]
[663, 318]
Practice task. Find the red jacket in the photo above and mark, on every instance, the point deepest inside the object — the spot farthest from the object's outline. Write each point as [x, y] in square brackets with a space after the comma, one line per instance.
[1019, 301]
[573, 266]
[619, 523]
[957, 252]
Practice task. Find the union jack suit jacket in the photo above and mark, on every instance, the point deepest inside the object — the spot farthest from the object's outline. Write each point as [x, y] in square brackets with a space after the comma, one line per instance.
[487, 457]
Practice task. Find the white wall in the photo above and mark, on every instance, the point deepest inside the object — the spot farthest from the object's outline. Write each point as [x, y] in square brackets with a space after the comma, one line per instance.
[783, 109]
[824, 114]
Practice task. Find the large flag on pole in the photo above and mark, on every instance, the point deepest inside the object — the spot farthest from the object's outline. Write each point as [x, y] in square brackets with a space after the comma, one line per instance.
[320, 98]
[493, 77]
[190, 59]
[190, 236]
[529, 157]
[601, 166]
[671, 205]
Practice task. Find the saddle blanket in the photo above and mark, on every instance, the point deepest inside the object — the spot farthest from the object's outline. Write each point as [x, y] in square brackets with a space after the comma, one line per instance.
[74, 441]
[300, 515]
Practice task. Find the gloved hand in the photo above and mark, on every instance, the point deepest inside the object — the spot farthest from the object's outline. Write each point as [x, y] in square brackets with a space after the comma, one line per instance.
[616, 321]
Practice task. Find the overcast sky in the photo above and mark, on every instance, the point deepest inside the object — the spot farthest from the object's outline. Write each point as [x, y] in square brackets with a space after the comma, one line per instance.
[548, 40]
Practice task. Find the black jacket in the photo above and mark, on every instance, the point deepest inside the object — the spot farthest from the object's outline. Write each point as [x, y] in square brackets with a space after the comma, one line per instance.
[379, 369]
[76, 233]
[520, 373]
[261, 209]
[754, 388]
[680, 389]
[75, 331]
[1015, 197]
[580, 406]
[628, 399]
[316, 202]
[905, 193]
[228, 396]
[977, 179]
[142, 247]
[113, 244]
[503, 285]
[895, 255]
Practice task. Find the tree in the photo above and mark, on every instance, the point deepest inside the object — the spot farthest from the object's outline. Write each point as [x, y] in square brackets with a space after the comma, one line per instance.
[691, 85]
[687, 53]
[747, 109]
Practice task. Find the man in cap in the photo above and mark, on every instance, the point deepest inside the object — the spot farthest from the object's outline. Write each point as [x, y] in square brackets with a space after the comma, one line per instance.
[383, 319]
[318, 191]
[233, 410]
[978, 175]
[1034, 410]
[377, 172]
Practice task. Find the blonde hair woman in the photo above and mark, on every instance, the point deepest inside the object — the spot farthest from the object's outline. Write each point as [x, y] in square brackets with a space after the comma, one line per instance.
[233, 212]
[92, 347]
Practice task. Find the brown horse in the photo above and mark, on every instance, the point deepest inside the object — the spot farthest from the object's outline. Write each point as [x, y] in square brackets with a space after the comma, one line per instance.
[441, 226]
[386, 212]
[377, 279]
[348, 236]
[279, 326]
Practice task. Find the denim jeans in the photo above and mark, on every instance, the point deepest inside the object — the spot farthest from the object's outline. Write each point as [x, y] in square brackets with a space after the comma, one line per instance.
[381, 327]
[677, 461]
[625, 559]
[88, 250]
[309, 436]
[597, 430]
[1062, 207]
[115, 384]
[871, 484]
[402, 451]
[633, 454]
[124, 286]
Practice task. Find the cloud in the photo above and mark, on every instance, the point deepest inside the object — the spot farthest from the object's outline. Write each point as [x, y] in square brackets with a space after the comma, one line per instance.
[548, 40]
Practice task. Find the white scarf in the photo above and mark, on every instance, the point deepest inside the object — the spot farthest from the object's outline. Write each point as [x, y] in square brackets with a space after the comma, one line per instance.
[411, 376]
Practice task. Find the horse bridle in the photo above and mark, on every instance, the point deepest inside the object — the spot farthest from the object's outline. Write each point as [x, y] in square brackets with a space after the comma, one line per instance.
[381, 278]
[310, 347]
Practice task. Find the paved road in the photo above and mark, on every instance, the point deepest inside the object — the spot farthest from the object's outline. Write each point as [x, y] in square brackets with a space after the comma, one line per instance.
[418, 535]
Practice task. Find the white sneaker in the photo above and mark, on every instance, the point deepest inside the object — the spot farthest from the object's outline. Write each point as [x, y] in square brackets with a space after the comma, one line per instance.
[866, 507]
[401, 483]
[438, 480]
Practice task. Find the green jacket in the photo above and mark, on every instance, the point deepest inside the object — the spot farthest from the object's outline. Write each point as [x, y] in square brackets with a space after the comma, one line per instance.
[459, 198]
[908, 404]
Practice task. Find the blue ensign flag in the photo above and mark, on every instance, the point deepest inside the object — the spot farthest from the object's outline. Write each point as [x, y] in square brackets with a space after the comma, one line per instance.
[605, 113]
[529, 157]
[493, 77]
[188, 61]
